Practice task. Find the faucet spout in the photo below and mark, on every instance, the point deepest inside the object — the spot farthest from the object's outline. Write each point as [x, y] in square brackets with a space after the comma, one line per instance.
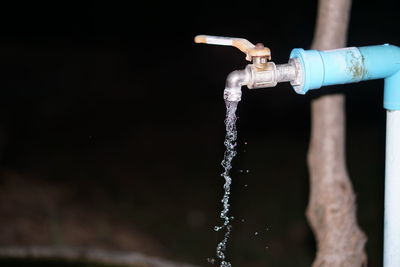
[234, 82]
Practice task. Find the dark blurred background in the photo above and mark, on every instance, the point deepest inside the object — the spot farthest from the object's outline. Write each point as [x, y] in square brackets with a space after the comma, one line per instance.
[111, 129]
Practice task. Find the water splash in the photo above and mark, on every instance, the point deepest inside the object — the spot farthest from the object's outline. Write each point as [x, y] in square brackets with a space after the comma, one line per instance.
[230, 153]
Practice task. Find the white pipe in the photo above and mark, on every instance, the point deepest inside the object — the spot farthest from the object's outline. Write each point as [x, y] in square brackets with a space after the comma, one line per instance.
[391, 257]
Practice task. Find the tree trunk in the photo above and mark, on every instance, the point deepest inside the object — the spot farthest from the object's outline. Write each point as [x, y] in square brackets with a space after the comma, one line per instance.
[331, 210]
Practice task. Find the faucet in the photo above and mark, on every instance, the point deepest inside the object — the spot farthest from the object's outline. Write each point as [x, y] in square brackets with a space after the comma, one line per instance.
[313, 69]
[261, 73]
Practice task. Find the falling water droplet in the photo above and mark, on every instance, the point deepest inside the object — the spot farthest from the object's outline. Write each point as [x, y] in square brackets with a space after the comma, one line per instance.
[211, 260]
[230, 153]
[245, 185]
[256, 233]
[242, 220]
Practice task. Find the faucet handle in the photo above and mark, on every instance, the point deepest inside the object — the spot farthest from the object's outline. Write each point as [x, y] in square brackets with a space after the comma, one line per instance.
[251, 50]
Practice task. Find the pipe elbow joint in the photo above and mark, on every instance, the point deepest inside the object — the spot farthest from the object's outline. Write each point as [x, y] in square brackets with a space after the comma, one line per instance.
[391, 94]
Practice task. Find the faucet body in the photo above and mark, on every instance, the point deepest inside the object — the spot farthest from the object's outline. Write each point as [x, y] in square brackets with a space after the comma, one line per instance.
[261, 76]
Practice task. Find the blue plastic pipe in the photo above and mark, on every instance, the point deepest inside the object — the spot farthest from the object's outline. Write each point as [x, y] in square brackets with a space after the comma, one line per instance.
[350, 65]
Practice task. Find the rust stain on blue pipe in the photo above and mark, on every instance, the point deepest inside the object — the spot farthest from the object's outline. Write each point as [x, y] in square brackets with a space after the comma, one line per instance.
[355, 66]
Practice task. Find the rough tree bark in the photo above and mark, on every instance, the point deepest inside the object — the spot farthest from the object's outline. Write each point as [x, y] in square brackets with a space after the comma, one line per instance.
[331, 210]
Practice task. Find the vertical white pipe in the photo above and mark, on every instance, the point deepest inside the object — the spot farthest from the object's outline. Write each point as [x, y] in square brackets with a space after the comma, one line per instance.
[391, 257]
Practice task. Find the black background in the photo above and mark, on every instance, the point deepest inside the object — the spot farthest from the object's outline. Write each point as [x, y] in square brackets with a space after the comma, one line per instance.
[115, 97]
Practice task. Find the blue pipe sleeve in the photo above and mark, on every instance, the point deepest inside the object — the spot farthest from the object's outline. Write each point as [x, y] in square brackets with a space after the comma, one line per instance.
[350, 65]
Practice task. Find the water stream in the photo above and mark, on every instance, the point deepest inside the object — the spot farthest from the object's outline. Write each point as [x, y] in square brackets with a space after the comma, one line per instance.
[230, 153]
